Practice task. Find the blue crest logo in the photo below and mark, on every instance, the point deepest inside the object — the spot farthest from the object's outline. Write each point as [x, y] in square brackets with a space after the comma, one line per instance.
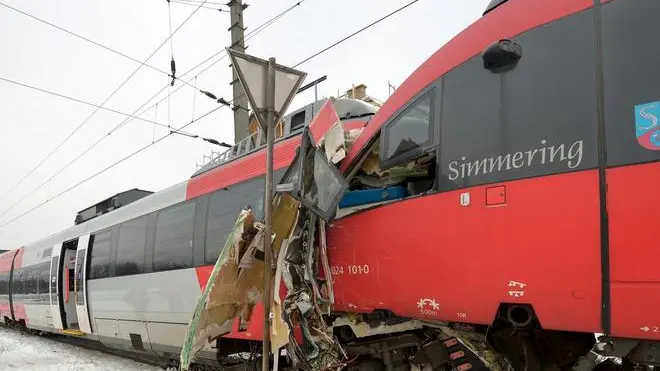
[647, 129]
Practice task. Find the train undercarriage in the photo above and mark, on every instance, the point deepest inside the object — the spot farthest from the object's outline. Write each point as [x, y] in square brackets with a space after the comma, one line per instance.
[515, 341]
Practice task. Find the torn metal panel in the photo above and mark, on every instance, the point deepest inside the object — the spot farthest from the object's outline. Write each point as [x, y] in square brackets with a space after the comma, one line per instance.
[303, 287]
[208, 321]
[334, 143]
[317, 184]
[327, 275]
[236, 283]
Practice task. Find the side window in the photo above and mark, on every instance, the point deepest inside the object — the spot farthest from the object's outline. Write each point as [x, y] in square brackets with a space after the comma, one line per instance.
[224, 207]
[17, 287]
[131, 247]
[631, 56]
[173, 247]
[407, 134]
[297, 121]
[470, 123]
[31, 282]
[43, 281]
[3, 284]
[537, 119]
[100, 255]
[541, 112]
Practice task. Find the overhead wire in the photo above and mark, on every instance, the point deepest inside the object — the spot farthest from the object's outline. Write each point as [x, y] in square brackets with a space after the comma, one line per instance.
[246, 37]
[112, 50]
[97, 109]
[106, 168]
[205, 7]
[190, 123]
[355, 33]
[199, 1]
[254, 33]
[77, 100]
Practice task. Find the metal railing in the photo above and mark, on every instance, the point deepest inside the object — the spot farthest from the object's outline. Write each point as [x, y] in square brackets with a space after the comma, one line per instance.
[246, 145]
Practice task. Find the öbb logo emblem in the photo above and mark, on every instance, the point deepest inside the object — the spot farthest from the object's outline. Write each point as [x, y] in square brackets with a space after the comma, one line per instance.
[647, 129]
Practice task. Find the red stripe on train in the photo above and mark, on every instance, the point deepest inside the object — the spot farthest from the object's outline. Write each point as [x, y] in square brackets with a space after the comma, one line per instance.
[254, 164]
[510, 19]
[19, 311]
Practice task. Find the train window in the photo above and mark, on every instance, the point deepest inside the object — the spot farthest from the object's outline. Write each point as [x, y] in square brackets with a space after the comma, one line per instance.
[539, 112]
[31, 282]
[494, 4]
[131, 247]
[80, 298]
[224, 208]
[404, 137]
[173, 247]
[43, 281]
[297, 121]
[522, 123]
[17, 284]
[631, 56]
[470, 123]
[3, 284]
[100, 255]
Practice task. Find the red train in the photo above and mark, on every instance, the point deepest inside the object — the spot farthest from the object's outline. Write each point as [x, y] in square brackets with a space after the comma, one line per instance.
[523, 155]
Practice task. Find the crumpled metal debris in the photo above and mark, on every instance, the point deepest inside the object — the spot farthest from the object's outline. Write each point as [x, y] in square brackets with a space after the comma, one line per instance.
[302, 284]
[224, 297]
[305, 304]
[334, 143]
[236, 283]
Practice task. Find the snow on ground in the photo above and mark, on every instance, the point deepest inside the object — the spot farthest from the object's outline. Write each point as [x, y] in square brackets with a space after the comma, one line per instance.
[19, 351]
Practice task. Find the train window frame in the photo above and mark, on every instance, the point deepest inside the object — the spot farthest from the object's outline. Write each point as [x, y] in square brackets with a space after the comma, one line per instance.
[92, 247]
[156, 261]
[141, 267]
[216, 199]
[493, 5]
[430, 93]
[4, 284]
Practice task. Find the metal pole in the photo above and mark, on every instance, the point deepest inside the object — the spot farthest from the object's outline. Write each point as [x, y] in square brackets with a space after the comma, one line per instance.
[241, 119]
[268, 208]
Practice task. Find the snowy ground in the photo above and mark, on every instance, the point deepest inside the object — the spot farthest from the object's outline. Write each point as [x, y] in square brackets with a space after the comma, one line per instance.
[23, 352]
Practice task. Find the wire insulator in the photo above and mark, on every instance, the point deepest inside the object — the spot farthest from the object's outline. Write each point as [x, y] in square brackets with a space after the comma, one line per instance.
[209, 94]
[173, 68]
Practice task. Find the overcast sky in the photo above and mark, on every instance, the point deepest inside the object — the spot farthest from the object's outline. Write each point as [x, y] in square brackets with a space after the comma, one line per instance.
[33, 123]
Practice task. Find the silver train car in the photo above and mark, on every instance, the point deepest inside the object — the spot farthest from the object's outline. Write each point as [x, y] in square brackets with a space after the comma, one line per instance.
[129, 273]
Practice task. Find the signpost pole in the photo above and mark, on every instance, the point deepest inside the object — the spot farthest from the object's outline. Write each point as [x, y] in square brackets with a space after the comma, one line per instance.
[268, 209]
[258, 77]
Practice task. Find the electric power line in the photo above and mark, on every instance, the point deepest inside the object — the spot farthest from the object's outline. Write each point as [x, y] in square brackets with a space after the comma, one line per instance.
[106, 168]
[254, 33]
[81, 101]
[195, 4]
[247, 37]
[199, 1]
[96, 110]
[184, 126]
[355, 33]
[112, 50]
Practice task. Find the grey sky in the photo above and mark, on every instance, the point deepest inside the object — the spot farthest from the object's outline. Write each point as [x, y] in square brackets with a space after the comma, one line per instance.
[33, 123]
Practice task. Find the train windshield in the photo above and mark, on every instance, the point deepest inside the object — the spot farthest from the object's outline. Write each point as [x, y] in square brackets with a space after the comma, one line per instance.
[494, 4]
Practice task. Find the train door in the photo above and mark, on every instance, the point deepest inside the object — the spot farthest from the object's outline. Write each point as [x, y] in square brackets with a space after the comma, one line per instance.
[62, 291]
[631, 99]
[81, 285]
[56, 312]
[10, 287]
